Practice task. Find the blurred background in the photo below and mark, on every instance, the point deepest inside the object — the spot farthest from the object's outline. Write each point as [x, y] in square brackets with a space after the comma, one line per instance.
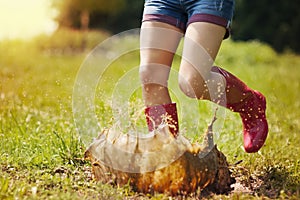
[43, 44]
[276, 23]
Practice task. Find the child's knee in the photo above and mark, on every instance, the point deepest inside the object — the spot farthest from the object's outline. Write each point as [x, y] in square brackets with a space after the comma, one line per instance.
[154, 74]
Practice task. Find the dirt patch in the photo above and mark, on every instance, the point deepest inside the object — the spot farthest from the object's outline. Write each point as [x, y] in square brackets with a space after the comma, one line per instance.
[271, 182]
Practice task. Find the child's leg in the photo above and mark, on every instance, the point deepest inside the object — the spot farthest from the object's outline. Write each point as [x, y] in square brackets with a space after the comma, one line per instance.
[199, 80]
[159, 42]
[201, 45]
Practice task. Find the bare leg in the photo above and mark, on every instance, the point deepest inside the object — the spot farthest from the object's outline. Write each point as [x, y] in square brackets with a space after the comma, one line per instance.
[159, 42]
[202, 43]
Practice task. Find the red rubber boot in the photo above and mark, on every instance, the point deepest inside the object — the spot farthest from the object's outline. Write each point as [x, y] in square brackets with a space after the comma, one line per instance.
[251, 105]
[160, 114]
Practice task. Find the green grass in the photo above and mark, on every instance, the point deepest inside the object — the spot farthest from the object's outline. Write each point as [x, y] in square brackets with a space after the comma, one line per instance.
[41, 156]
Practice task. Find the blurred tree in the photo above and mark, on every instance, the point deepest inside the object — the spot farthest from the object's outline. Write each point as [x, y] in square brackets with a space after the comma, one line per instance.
[130, 16]
[76, 13]
[274, 22]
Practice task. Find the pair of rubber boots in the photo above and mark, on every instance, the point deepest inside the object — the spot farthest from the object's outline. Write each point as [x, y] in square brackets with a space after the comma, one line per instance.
[251, 107]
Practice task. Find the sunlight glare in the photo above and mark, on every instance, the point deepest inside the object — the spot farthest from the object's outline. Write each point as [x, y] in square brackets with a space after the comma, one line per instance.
[25, 19]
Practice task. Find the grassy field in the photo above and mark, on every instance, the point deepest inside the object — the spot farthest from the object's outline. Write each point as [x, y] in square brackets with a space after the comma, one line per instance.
[41, 156]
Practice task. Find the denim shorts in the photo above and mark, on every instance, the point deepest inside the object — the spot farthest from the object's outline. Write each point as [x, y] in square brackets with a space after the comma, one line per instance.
[181, 13]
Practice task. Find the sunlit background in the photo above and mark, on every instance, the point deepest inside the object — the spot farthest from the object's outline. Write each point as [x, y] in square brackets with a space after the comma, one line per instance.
[26, 19]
